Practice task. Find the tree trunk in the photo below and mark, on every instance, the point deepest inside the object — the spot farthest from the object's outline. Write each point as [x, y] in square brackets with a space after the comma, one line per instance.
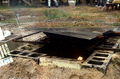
[0, 2]
[83, 2]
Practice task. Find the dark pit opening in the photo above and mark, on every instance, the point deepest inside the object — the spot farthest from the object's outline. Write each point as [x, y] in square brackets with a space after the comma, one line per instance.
[111, 44]
[98, 58]
[25, 53]
[15, 52]
[104, 52]
[68, 47]
[103, 55]
[95, 62]
[107, 46]
[34, 55]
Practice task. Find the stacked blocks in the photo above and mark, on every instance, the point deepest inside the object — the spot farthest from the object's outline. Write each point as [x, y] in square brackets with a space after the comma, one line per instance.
[101, 58]
[5, 57]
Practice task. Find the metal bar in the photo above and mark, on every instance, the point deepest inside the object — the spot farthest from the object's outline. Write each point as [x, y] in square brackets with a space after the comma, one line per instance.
[110, 49]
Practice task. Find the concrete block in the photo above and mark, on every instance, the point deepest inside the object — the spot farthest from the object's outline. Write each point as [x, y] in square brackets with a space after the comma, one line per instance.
[45, 61]
[5, 55]
[111, 42]
[27, 54]
[99, 59]
[6, 61]
[29, 47]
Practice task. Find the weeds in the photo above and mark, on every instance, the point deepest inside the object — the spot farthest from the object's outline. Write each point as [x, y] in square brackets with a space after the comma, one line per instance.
[82, 15]
[116, 24]
[78, 8]
[100, 20]
[54, 13]
[9, 21]
[3, 7]
[117, 16]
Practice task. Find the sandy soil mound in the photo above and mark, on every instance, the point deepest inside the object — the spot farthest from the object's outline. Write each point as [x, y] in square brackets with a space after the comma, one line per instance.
[29, 69]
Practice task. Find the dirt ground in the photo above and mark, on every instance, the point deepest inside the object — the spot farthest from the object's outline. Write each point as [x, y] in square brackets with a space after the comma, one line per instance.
[29, 69]
[81, 17]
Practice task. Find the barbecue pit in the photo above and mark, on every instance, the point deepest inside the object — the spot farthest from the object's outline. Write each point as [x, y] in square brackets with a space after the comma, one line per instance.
[70, 47]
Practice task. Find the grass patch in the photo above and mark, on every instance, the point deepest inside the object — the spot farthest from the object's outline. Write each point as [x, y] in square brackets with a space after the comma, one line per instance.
[100, 20]
[78, 8]
[81, 15]
[116, 24]
[3, 7]
[9, 21]
[65, 24]
[117, 16]
[54, 13]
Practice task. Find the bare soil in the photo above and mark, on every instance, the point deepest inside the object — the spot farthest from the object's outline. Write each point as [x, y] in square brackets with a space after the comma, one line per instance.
[29, 69]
